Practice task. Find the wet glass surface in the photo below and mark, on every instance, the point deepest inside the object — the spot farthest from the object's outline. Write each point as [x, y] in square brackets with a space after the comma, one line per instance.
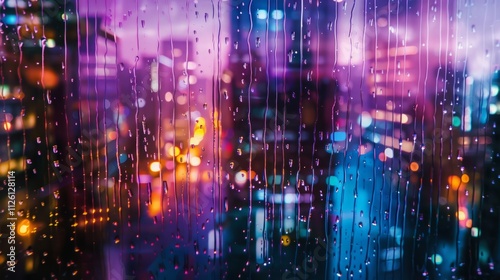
[249, 139]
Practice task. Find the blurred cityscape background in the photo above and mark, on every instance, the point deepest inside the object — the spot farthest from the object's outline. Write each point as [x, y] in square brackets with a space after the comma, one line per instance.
[251, 139]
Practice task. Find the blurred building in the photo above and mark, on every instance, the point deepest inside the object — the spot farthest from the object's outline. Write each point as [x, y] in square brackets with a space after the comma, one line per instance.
[281, 91]
[39, 84]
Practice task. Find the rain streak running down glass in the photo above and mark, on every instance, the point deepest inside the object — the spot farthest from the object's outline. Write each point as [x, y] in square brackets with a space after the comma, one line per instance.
[249, 139]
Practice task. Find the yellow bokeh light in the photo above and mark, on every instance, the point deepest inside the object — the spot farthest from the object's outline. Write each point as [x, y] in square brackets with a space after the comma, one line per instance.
[195, 141]
[181, 159]
[285, 240]
[24, 227]
[465, 178]
[29, 264]
[414, 166]
[404, 119]
[199, 132]
[207, 176]
[155, 204]
[195, 161]
[240, 177]
[173, 151]
[7, 126]
[454, 182]
[461, 215]
[155, 166]
[200, 121]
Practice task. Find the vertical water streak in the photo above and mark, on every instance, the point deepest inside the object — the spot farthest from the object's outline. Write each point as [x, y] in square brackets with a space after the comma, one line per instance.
[214, 118]
[275, 136]
[373, 186]
[173, 115]
[218, 136]
[329, 200]
[299, 140]
[434, 152]
[105, 125]
[188, 156]
[96, 121]
[424, 269]
[348, 138]
[282, 185]
[407, 183]
[422, 135]
[136, 118]
[249, 100]
[393, 89]
[159, 129]
[264, 138]
[315, 128]
[374, 173]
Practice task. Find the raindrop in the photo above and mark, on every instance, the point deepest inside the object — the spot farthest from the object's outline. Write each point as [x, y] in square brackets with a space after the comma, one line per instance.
[29, 251]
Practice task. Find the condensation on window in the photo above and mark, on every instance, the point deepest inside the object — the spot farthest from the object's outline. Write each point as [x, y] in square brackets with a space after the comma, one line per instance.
[249, 139]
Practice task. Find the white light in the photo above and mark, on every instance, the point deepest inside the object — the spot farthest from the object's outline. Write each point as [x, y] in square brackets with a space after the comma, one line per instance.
[181, 100]
[190, 65]
[195, 161]
[277, 14]
[261, 14]
[141, 102]
[165, 61]
[212, 249]
[192, 80]
[240, 177]
[169, 96]
[155, 166]
[389, 152]
[469, 81]
[365, 119]
[493, 109]
[154, 77]
[494, 90]
[290, 198]
[50, 43]
[14, 3]
[259, 249]
[468, 119]
[260, 221]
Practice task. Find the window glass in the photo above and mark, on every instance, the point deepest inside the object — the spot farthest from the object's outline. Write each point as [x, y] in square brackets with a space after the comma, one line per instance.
[249, 139]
